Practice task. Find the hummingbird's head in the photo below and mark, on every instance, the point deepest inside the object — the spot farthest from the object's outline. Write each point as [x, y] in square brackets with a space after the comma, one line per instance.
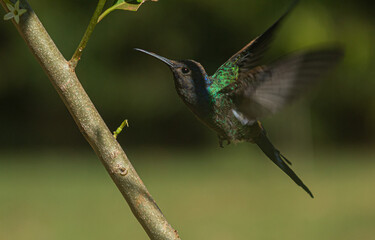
[189, 76]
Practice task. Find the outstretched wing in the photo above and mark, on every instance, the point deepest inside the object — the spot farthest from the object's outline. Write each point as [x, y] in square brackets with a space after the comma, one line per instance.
[266, 90]
[250, 55]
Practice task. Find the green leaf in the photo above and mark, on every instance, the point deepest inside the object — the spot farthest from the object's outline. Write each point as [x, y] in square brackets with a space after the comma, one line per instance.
[127, 5]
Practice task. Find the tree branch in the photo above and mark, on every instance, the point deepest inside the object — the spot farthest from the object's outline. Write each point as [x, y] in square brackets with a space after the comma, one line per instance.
[92, 126]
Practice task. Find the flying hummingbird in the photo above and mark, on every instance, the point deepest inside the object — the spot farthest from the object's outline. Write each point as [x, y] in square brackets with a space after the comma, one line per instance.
[240, 92]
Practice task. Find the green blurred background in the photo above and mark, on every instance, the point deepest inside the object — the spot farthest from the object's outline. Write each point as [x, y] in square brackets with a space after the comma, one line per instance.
[53, 187]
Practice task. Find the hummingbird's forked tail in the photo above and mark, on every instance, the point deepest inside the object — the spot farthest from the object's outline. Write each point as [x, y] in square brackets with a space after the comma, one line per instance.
[272, 153]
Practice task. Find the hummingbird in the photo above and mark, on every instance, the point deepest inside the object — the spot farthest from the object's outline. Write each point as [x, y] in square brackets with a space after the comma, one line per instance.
[241, 91]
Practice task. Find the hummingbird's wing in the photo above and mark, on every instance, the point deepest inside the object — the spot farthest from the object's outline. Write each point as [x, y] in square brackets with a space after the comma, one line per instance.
[250, 55]
[265, 90]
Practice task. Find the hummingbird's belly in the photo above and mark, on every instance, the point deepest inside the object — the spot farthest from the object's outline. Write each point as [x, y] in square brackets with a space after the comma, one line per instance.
[220, 117]
[229, 126]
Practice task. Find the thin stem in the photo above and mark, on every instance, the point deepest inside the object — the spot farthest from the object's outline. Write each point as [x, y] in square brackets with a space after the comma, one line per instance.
[120, 128]
[90, 28]
[92, 126]
[106, 12]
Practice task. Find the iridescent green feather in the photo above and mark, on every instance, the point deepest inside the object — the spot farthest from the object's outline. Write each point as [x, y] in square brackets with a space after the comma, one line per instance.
[225, 75]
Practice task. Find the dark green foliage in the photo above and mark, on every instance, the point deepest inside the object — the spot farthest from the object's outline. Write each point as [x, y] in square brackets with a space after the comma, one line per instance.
[115, 76]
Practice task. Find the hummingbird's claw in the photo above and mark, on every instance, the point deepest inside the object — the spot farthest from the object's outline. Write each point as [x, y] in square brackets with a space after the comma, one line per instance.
[221, 143]
[222, 139]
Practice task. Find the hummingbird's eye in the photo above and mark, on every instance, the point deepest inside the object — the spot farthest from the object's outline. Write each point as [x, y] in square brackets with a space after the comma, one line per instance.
[185, 70]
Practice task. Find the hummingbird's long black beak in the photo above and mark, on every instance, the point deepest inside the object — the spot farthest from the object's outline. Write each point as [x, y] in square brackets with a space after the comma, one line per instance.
[165, 60]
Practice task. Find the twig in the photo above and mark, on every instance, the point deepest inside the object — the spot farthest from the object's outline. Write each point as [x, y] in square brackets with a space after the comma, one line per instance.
[125, 123]
[90, 28]
[92, 126]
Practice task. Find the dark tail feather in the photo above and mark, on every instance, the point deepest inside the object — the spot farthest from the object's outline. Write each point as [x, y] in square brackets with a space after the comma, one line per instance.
[273, 154]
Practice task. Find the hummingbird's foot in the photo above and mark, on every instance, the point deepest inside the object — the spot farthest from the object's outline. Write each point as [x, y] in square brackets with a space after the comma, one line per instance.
[221, 140]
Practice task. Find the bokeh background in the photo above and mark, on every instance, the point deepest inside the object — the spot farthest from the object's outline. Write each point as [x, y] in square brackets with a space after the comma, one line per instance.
[53, 187]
